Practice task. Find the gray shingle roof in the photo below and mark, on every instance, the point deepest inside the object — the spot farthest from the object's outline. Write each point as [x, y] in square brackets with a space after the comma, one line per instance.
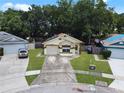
[9, 38]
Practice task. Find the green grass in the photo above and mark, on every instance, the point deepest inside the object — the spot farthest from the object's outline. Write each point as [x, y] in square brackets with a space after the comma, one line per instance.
[101, 57]
[91, 79]
[30, 79]
[35, 63]
[83, 62]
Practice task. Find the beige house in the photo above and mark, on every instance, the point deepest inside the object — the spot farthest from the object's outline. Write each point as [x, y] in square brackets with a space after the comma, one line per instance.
[62, 44]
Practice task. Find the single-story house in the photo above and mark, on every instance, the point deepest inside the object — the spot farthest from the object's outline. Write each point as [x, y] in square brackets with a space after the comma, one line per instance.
[10, 44]
[116, 45]
[62, 44]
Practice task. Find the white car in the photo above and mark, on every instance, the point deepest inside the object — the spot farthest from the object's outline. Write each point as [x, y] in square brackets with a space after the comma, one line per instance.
[23, 53]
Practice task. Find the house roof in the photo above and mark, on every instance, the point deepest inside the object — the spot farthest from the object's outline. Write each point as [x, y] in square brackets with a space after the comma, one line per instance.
[6, 38]
[113, 39]
[56, 39]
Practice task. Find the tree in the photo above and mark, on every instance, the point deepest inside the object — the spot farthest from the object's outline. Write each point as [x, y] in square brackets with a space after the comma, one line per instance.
[120, 23]
[65, 16]
[12, 23]
[82, 19]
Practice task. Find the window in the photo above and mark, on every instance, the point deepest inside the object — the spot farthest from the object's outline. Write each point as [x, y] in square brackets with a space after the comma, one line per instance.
[66, 49]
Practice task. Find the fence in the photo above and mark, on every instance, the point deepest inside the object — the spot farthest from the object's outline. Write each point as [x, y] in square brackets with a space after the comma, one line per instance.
[94, 49]
[31, 46]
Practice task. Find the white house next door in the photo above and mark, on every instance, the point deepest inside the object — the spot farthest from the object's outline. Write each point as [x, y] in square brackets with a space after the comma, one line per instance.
[117, 53]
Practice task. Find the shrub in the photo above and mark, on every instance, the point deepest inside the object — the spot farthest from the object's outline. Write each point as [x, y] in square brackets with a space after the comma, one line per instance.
[106, 54]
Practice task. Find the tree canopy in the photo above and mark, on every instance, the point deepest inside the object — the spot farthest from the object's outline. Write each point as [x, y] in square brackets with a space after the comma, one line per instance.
[83, 19]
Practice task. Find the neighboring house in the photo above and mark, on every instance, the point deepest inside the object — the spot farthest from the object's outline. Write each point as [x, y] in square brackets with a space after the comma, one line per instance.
[62, 44]
[116, 45]
[11, 44]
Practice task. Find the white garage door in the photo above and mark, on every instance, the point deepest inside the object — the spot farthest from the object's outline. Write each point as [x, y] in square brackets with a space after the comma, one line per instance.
[13, 49]
[117, 53]
[52, 50]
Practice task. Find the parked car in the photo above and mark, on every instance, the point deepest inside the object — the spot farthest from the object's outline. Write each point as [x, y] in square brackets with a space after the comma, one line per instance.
[23, 53]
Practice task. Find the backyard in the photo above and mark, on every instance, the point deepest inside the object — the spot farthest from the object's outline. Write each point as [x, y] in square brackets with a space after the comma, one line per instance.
[83, 62]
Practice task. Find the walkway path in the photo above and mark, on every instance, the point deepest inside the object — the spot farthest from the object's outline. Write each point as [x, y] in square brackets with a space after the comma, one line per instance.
[55, 63]
[105, 75]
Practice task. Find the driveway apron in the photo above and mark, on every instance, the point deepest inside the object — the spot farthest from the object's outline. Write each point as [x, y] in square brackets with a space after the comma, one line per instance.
[12, 74]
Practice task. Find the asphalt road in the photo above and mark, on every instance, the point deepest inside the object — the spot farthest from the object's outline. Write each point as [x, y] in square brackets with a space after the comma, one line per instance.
[69, 88]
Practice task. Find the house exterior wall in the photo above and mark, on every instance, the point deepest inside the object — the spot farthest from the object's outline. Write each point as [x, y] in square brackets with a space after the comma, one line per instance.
[66, 45]
[13, 48]
[52, 50]
[117, 53]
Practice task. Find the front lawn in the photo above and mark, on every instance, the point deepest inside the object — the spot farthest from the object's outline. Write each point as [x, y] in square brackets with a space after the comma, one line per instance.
[35, 62]
[30, 79]
[91, 79]
[83, 62]
[101, 57]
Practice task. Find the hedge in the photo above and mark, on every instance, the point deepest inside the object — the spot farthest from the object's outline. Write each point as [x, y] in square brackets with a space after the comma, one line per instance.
[106, 54]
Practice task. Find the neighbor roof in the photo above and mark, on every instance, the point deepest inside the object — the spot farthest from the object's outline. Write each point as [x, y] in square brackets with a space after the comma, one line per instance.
[6, 38]
[113, 39]
[55, 39]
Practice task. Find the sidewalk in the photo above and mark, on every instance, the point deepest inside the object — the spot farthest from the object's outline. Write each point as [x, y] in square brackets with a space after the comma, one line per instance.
[105, 75]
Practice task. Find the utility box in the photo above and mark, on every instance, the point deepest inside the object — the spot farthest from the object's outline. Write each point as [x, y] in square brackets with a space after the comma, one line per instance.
[92, 67]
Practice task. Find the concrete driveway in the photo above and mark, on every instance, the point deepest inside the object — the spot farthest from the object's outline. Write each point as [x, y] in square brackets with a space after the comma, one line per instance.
[117, 66]
[12, 74]
[59, 64]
